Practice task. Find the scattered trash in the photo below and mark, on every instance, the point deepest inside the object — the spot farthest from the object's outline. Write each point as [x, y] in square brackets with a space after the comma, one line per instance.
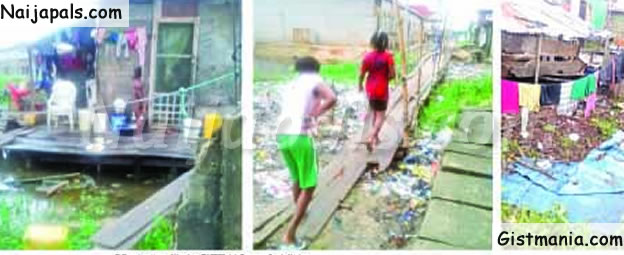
[574, 137]
[50, 187]
[543, 164]
[274, 183]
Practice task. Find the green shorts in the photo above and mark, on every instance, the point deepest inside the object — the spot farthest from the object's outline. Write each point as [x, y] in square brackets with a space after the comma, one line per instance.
[300, 157]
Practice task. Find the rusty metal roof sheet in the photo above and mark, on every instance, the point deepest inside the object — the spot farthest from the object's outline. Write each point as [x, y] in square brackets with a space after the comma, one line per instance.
[539, 17]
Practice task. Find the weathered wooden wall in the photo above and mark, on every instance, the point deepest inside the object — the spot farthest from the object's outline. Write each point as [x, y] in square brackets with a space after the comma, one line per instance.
[557, 58]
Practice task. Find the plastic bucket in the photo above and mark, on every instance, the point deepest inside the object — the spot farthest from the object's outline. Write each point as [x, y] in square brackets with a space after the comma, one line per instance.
[99, 125]
[192, 128]
[118, 121]
[85, 119]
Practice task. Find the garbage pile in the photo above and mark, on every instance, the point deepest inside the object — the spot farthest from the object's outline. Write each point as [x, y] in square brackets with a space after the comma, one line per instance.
[405, 189]
[333, 131]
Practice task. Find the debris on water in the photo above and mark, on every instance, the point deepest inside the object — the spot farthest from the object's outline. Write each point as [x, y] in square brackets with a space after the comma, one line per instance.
[4, 187]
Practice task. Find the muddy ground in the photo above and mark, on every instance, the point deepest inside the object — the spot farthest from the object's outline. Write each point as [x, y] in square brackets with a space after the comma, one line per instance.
[554, 137]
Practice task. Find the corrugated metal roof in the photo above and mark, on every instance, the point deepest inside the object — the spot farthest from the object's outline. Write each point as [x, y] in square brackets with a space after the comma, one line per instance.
[538, 17]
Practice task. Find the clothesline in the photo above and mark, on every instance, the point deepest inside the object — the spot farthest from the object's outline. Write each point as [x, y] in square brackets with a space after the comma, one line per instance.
[565, 95]
[182, 92]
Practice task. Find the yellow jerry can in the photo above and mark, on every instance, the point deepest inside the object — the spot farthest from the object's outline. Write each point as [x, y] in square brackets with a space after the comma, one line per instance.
[46, 237]
[212, 124]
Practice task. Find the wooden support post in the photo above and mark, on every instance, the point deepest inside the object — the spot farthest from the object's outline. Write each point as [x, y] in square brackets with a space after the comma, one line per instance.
[538, 59]
[401, 37]
[442, 45]
[420, 58]
[231, 184]
[607, 52]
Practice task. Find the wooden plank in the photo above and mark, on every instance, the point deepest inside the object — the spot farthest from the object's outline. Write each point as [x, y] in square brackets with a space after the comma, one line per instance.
[341, 175]
[262, 234]
[11, 135]
[45, 178]
[466, 163]
[328, 199]
[50, 190]
[458, 225]
[463, 188]
[125, 231]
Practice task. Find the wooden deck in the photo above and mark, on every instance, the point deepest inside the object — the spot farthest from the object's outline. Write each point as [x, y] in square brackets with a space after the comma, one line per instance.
[156, 149]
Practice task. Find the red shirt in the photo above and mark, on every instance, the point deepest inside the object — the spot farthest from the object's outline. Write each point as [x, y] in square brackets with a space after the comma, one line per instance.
[378, 66]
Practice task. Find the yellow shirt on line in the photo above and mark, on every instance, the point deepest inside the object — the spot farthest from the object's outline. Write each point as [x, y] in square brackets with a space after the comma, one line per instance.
[529, 96]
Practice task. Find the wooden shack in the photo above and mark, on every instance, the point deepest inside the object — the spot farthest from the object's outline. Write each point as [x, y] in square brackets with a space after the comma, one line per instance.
[541, 40]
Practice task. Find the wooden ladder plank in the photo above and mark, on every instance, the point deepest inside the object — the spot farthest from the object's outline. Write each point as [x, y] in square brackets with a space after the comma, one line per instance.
[128, 228]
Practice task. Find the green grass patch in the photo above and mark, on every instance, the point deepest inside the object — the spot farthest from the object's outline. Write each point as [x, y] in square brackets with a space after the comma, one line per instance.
[344, 73]
[160, 237]
[513, 214]
[606, 126]
[446, 101]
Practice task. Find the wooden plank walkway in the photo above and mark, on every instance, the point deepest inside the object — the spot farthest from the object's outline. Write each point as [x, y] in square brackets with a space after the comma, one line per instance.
[126, 231]
[459, 215]
[156, 149]
[338, 178]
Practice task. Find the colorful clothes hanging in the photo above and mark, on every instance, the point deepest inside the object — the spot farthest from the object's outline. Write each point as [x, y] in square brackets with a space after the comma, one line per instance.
[566, 105]
[509, 97]
[551, 94]
[590, 104]
[529, 96]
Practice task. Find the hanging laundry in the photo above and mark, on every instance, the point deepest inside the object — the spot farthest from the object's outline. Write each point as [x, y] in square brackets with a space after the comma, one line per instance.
[509, 97]
[567, 105]
[100, 35]
[132, 38]
[591, 84]
[529, 96]
[590, 104]
[141, 45]
[112, 38]
[551, 94]
[122, 47]
[579, 88]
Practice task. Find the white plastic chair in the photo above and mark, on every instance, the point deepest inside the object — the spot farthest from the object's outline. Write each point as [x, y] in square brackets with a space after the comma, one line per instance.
[62, 102]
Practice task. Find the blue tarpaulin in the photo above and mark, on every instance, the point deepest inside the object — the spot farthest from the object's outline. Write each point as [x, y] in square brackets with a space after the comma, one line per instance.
[590, 191]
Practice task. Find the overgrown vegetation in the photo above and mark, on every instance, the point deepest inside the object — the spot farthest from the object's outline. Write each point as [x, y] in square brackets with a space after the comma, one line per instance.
[448, 99]
[16, 214]
[513, 214]
[343, 73]
[160, 237]
[606, 126]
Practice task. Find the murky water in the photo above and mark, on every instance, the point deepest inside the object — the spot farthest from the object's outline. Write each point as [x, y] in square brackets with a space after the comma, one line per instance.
[115, 191]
